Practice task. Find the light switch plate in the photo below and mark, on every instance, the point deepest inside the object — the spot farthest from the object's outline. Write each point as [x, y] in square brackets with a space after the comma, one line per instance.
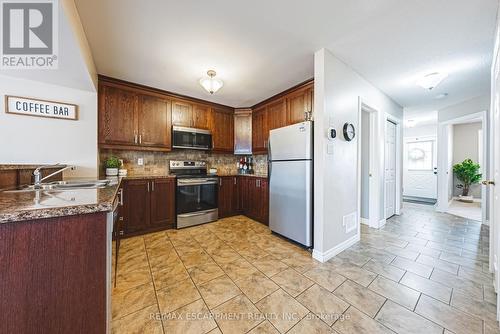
[140, 161]
[329, 148]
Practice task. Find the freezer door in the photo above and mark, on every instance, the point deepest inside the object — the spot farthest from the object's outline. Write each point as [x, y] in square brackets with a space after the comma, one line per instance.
[290, 200]
[293, 142]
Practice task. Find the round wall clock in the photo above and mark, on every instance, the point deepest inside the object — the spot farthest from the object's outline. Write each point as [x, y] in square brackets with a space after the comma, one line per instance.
[349, 131]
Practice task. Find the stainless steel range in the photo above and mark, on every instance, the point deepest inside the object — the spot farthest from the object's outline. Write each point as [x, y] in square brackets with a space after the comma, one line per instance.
[196, 194]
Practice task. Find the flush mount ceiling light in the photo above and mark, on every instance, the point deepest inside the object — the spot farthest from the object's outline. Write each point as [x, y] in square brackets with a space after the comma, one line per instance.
[210, 83]
[410, 123]
[432, 80]
[441, 96]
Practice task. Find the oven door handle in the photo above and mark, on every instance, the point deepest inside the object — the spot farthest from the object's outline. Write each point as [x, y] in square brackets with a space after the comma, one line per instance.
[199, 213]
[182, 183]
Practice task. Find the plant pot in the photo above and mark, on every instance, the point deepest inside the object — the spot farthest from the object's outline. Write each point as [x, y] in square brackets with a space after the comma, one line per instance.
[111, 171]
[466, 199]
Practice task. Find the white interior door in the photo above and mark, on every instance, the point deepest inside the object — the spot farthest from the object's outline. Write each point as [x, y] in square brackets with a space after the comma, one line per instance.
[420, 167]
[495, 175]
[390, 169]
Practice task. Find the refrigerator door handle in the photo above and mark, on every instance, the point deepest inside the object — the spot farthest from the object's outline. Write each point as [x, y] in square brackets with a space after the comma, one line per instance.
[270, 168]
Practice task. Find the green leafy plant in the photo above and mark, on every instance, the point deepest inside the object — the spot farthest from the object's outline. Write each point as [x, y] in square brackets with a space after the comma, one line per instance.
[468, 173]
[112, 162]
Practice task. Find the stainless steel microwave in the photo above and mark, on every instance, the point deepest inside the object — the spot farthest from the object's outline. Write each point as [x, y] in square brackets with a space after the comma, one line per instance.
[191, 138]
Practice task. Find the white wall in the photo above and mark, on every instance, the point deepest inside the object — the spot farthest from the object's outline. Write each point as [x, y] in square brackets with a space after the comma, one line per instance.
[36, 140]
[337, 89]
[421, 131]
[471, 106]
[466, 146]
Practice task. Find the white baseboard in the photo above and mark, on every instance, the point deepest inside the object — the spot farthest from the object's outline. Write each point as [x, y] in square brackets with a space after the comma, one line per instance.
[364, 221]
[381, 222]
[325, 256]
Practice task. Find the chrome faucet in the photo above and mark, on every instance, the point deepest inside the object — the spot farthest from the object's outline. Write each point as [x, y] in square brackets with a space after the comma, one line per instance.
[38, 175]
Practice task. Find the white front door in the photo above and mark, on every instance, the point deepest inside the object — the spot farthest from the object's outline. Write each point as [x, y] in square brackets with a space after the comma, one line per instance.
[390, 169]
[420, 167]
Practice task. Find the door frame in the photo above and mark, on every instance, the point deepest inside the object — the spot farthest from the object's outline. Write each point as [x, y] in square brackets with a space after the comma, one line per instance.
[443, 203]
[421, 138]
[399, 160]
[373, 197]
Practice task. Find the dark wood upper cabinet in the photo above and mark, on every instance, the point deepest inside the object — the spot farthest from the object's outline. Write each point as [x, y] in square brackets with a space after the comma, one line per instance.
[276, 114]
[222, 128]
[162, 203]
[182, 113]
[117, 116]
[136, 206]
[298, 103]
[260, 131]
[154, 122]
[201, 115]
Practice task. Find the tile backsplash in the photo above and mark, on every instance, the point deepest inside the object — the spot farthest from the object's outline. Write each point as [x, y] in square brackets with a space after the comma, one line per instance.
[157, 162]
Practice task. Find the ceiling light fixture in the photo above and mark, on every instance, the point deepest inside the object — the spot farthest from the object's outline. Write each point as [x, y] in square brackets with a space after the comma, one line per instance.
[210, 83]
[432, 80]
[441, 96]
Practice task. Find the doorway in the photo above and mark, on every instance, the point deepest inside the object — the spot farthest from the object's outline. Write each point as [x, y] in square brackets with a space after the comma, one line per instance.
[420, 169]
[463, 138]
[390, 168]
[367, 166]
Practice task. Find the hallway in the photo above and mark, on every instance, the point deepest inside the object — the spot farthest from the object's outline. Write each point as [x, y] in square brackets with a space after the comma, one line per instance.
[424, 272]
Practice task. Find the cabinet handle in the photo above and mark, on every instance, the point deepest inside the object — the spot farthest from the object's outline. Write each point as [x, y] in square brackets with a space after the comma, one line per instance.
[121, 197]
[152, 185]
[135, 138]
[234, 180]
[220, 182]
[148, 186]
[140, 139]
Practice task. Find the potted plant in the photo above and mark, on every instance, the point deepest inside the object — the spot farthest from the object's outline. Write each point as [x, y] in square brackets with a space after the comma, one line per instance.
[468, 173]
[112, 165]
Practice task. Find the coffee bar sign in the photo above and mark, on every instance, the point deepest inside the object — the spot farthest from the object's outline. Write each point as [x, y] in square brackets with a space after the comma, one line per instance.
[41, 108]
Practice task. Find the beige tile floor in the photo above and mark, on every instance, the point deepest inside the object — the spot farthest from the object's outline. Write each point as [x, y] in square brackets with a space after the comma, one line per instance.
[422, 273]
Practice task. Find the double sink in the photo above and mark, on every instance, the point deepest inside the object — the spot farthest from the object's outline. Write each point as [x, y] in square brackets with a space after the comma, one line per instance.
[63, 185]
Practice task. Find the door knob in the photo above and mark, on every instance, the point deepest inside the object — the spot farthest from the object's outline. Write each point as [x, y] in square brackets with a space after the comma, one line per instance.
[488, 182]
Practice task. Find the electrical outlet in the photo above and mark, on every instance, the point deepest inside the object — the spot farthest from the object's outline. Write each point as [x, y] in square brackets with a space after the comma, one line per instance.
[140, 161]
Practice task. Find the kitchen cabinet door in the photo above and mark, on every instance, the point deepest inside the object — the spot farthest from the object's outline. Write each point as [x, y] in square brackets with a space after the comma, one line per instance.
[243, 131]
[154, 122]
[227, 196]
[201, 115]
[298, 103]
[136, 206]
[162, 203]
[276, 114]
[182, 113]
[117, 116]
[222, 128]
[243, 195]
[264, 207]
[260, 132]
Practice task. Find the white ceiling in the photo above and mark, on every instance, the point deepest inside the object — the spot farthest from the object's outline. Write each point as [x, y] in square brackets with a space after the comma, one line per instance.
[260, 48]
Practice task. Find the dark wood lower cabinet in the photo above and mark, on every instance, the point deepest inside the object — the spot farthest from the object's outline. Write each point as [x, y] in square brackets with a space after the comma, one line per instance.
[148, 205]
[228, 196]
[254, 198]
[53, 275]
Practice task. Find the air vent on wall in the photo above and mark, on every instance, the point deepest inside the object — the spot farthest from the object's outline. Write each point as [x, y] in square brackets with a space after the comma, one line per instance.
[349, 222]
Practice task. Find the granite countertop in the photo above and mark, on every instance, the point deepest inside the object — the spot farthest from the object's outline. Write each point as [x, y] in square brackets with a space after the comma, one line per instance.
[29, 205]
[247, 175]
[24, 166]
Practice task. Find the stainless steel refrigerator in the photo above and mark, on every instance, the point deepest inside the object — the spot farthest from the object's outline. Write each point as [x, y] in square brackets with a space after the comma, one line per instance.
[290, 182]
